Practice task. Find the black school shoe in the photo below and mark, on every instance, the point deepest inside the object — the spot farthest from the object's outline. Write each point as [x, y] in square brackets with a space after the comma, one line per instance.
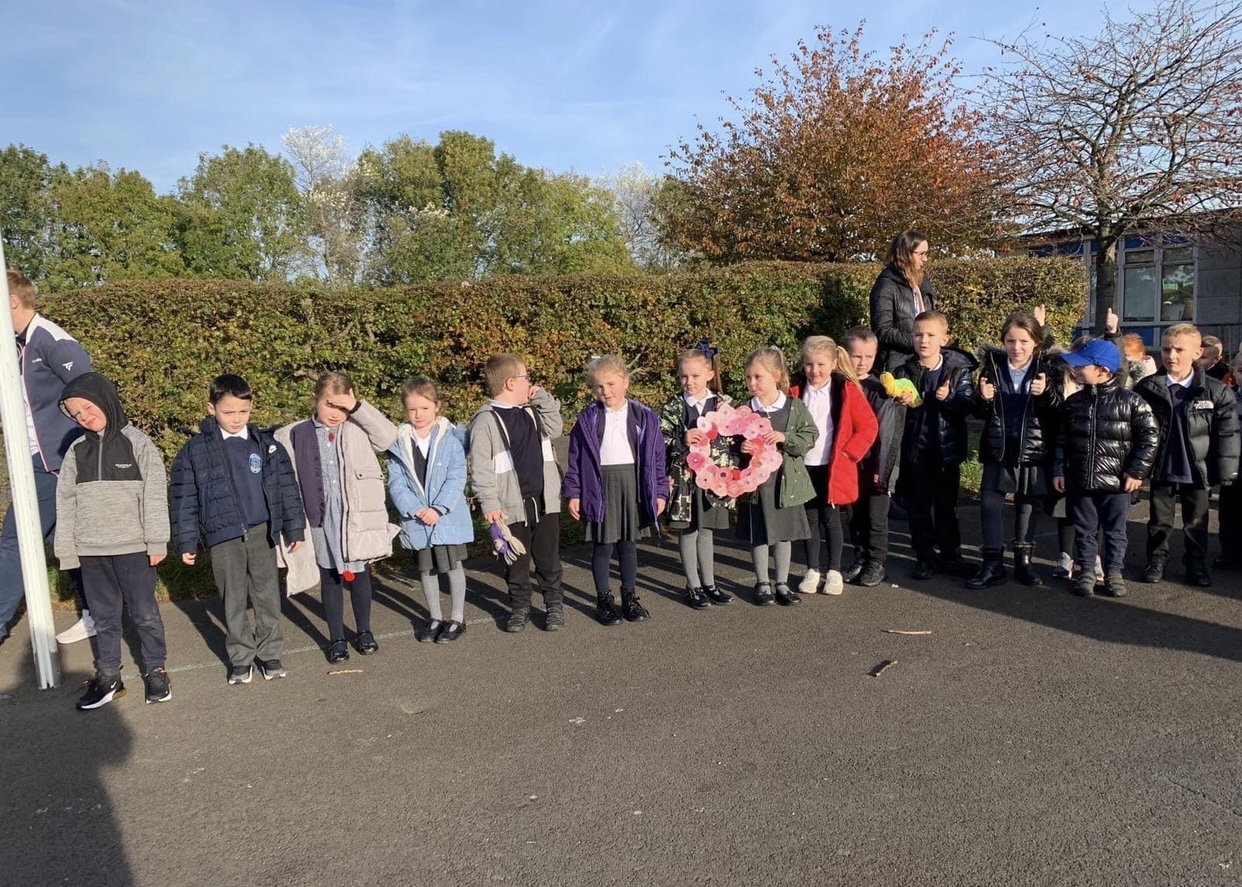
[763, 595]
[784, 596]
[365, 643]
[716, 596]
[338, 650]
[450, 632]
[697, 599]
[428, 632]
[923, 568]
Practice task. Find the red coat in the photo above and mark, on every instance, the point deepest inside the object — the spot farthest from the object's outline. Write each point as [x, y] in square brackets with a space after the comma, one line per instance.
[854, 429]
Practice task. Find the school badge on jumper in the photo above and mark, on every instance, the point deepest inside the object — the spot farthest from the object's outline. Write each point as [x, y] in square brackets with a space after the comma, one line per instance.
[256, 463]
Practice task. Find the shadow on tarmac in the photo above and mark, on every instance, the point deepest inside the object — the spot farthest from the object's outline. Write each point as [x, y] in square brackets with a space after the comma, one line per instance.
[70, 831]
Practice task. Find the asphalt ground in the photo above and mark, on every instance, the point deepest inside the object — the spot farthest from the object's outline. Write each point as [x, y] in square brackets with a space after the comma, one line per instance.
[1031, 738]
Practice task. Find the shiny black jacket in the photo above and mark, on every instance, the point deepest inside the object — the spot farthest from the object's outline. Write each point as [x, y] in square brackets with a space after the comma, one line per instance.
[892, 317]
[949, 415]
[1040, 415]
[878, 471]
[1106, 431]
[1211, 426]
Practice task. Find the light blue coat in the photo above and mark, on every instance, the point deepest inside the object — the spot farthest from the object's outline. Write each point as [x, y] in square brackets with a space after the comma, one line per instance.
[445, 489]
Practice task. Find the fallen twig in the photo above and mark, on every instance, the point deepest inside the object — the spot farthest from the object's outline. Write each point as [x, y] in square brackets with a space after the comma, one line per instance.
[346, 671]
[883, 667]
[905, 631]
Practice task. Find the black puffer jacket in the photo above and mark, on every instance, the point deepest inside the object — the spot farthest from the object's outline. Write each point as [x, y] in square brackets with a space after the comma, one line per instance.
[892, 316]
[1106, 431]
[877, 473]
[948, 415]
[1211, 426]
[1040, 413]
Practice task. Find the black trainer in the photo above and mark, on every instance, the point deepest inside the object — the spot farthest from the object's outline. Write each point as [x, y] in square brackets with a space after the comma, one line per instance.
[100, 692]
[851, 573]
[271, 669]
[923, 568]
[1153, 572]
[873, 574]
[517, 620]
[158, 686]
[241, 674]
[555, 618]
[1114, 585]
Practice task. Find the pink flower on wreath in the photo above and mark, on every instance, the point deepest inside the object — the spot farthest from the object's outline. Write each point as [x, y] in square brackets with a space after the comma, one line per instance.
[696, 460]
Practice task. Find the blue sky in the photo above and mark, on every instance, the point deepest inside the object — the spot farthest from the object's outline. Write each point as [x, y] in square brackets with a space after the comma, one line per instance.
[585, 85]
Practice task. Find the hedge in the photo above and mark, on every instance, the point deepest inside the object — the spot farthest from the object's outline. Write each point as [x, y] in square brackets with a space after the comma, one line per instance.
[162, 341]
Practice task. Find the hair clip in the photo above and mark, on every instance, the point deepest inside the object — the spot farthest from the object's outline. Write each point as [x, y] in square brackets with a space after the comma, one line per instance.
[706, 347]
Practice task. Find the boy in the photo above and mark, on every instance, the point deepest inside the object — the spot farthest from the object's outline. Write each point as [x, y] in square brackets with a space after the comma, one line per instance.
[1106, 445]
[935, 444]
[234, 485]
[1198, 448]
[112, 521]
[877, 472]
[1212, 359]
[514, 474]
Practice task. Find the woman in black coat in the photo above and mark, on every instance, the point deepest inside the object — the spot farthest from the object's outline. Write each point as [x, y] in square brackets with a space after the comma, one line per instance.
[900, 294]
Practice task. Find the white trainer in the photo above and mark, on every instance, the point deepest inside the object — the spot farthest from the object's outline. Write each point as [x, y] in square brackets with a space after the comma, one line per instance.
[809, 583]
[835, 583]
[81, 630]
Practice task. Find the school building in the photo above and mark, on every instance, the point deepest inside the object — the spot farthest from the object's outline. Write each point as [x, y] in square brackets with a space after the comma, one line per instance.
[1163, 280]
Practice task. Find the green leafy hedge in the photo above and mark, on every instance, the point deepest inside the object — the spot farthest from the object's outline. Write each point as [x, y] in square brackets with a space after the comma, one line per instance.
[162, 341]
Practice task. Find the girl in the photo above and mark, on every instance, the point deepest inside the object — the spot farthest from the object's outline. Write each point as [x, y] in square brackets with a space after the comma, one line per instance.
[427, 480]
[1019, 393]
[847, 428]
[772, 516]
[696, 513]
[343, 490]
[616, 482]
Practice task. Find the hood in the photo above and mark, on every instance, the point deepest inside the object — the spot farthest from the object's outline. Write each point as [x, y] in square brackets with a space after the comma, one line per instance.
[100, 391]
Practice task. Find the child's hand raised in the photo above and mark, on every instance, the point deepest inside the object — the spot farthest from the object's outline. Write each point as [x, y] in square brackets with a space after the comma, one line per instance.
[346, 401]
[942, 393]
[1039, 384]
[693, 436]
[986, 390]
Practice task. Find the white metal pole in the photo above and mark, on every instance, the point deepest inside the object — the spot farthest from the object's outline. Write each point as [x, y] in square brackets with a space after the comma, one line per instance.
[25, 501]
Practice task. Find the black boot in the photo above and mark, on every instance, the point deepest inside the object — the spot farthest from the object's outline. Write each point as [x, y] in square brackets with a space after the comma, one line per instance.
[606, 609]
[991, 571]
[1023, 570]
[631, 609]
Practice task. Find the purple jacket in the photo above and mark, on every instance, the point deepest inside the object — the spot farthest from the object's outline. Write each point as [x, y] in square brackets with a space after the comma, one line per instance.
[584, 477]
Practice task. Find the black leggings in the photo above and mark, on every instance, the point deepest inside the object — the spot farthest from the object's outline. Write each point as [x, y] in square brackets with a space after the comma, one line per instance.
[627, 557]
[819, 514]
[332, 590]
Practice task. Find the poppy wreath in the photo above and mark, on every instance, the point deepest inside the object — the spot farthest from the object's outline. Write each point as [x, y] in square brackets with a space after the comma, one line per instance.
[715, 461]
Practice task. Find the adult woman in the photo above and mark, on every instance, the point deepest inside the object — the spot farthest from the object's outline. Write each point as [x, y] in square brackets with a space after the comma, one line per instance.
[900, 294]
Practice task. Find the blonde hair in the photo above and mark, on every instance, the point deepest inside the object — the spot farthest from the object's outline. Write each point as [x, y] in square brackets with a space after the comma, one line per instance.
[842, 366]
[713, 364]
[333, 382]
[607, 363]
[21, 288]
[772, 359]
[498, 370]
[1182, 329]
[1213, 348]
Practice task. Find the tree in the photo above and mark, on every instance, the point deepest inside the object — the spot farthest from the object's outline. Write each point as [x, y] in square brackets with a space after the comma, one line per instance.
[1133, 129]
[241, 216]
[109, 226]
[26, 208]
[833, 155]
[636, 195]
[330, 186]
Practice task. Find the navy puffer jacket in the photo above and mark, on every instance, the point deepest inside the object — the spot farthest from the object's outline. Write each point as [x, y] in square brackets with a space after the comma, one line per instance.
[204, 499]
[1040, 413]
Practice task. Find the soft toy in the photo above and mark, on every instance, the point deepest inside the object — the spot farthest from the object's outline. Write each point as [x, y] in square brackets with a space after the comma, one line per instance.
[894, 387]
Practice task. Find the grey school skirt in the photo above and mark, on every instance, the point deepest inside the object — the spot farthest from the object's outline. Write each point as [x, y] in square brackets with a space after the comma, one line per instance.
[440, 558]
[623, 519]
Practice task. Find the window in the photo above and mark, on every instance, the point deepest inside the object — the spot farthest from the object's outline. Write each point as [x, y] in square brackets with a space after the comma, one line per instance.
[1157, 284]
[1138, 301]
[1177, 285]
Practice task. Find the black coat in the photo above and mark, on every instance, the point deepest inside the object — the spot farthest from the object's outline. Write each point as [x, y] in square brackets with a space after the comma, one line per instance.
[1211, 426]
[949, 414]
[204, 499]
[884, 457]
[892, 316]
[1039, 416]
[1106, 431]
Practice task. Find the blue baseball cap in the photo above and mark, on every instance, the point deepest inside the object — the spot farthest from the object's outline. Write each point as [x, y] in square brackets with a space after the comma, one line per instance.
[1097, 352]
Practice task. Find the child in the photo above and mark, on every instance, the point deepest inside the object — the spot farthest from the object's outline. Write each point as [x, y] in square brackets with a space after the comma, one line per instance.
[773, 516]
[877, 471]
[692, 510]
[234, 485]
[1019, 394]
[1212, 360]
[343, 490]
[934, 444]
[616, 482]
[847, 428]
[1198, 449]
[427, 480]
[1106, 444]
[112, 521]
[513, 473]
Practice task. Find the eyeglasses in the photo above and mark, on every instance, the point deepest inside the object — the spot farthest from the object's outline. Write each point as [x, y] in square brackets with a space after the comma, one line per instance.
[525, 377]
[920, 252]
